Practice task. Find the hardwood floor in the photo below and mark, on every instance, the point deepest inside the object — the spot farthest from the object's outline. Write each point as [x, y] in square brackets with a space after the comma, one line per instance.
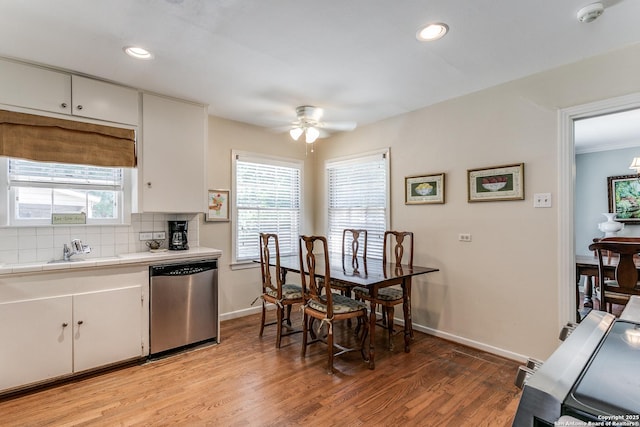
[246, 381]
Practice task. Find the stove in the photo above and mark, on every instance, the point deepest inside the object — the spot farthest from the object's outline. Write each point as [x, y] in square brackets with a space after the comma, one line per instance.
[592, 379]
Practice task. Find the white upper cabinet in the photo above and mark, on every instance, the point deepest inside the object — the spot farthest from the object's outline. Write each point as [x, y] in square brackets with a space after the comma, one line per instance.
[34, 87]
[105, 101]
[39, 88]
[173, 155]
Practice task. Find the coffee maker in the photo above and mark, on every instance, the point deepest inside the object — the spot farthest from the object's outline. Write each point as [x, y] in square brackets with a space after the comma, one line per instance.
[178, 236]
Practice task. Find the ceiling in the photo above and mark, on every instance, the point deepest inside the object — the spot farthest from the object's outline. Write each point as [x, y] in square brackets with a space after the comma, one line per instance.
[607, 132]
[254, 61]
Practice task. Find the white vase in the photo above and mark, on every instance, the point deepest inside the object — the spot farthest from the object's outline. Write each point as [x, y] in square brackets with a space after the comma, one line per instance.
[610, 227]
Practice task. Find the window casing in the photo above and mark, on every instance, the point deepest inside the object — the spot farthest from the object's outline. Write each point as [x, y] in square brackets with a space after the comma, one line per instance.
[267, 198]
[358, 197]
[35, 190]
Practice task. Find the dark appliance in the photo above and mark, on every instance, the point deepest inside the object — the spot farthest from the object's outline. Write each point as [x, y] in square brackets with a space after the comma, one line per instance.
[593, 378]
[178, 235]
[183, 305]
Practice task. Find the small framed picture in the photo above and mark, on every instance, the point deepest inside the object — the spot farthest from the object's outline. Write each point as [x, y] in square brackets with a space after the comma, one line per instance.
[496, 183]
[624, 198]
[217, 205]
[424, 189]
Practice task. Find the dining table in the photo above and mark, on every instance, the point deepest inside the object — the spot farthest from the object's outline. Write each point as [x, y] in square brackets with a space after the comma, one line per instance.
[371, 273]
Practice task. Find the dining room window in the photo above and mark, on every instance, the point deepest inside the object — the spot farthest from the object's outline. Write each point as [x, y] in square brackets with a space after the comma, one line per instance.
[267, 198]
[358, 197]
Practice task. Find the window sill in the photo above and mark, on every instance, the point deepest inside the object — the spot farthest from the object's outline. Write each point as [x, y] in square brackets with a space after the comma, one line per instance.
[244, 265]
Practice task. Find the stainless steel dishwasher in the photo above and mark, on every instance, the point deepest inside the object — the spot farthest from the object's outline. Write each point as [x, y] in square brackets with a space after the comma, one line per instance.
[183, 304]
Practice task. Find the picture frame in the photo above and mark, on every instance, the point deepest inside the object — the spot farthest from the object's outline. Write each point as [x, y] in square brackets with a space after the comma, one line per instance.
[217, 205]
[424, 189]
[496, 183]
[624, 198]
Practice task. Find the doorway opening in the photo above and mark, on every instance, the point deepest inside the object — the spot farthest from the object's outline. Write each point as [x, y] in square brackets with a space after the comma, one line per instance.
[567, 193]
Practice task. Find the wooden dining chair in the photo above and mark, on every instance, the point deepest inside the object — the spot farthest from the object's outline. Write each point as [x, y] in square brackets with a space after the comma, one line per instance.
[274, 291]
[352, 240]
[619, 289]
[398, 245]
[321, 303]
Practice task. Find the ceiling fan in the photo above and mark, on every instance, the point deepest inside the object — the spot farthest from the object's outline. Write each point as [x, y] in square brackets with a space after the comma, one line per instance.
[309, 123]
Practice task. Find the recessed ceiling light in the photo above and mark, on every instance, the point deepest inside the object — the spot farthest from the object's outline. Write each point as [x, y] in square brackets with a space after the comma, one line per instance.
[138, 52]
[432, 32]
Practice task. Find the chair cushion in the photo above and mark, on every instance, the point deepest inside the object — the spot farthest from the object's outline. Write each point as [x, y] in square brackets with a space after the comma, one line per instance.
[384, 294]
[288, 292]
[341, 304]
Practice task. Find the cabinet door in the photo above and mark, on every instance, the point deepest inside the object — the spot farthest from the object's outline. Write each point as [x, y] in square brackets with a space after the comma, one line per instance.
[35, 340]
[107, 327]
[173, 155]
[33, 87]
[104, 101]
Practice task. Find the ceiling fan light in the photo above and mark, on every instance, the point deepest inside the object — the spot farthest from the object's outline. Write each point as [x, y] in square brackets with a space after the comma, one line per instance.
[311, 134]
[295, 133]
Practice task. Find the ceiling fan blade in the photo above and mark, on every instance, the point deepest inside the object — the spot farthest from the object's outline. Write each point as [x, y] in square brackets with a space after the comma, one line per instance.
[341, 126]
[281, 129]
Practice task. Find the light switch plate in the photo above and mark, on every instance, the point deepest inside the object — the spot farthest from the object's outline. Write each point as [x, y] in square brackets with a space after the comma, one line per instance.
[542, 200]
[146, 236]
[159, 235]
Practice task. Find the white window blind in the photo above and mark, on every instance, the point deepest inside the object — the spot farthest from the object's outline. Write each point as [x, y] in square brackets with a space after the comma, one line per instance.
[268, 200]
[358, 194]
[60, 174]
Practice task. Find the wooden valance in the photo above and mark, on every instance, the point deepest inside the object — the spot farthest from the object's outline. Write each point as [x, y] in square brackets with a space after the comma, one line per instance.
[48, 139]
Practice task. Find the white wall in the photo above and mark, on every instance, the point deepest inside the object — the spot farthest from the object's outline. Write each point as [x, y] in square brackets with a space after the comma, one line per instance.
[238, 288]
[500, 292]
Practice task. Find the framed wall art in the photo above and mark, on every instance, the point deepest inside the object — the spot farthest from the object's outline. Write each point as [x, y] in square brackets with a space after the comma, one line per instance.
[624, 198]
[496, 183]
[424, 189]
[217, 205]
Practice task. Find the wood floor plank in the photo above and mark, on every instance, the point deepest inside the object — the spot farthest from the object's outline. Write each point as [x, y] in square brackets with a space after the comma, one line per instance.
[246, 381]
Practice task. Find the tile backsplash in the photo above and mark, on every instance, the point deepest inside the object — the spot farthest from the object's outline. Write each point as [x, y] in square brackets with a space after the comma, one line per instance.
[21, 245]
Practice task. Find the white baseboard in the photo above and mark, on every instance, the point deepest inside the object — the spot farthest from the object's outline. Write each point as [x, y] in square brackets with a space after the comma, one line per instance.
[241, 313]
[436, 333]
[471, 343]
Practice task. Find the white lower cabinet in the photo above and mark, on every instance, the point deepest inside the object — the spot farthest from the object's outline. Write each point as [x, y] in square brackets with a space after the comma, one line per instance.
[35, 340]
[107, 327]
[43, 338]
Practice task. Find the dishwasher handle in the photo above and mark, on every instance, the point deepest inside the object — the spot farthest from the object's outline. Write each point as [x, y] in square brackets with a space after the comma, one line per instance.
[183, 269]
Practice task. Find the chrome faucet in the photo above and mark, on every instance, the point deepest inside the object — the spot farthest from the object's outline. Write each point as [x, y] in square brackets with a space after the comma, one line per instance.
[76, 248]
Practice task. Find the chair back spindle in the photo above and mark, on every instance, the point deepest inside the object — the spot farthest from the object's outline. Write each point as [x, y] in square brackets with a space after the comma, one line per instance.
[354, 235]
[625, 281]
[268, 240]
[400, 241]
[314, 285]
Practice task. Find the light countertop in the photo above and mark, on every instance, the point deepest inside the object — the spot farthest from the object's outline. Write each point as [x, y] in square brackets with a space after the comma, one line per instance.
[146, 257]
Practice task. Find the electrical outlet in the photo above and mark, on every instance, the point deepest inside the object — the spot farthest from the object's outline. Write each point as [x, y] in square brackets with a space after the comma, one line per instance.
[145, 236]
[542, 200]
[159, 235]
[464, 237]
